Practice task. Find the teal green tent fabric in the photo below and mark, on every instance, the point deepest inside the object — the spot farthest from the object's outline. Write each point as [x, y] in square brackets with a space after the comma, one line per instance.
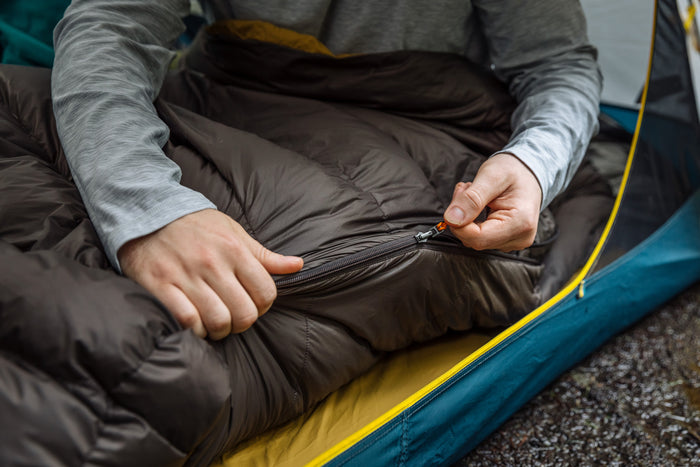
[651, 253]
[26, 30]
[455, 417]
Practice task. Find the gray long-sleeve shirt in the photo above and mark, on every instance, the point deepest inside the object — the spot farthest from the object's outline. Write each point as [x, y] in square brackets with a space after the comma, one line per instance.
[112, 56]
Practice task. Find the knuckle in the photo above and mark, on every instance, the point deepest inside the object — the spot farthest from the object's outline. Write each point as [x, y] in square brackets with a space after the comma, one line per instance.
[187, 319]
[207, 259]
[473, 198]
[527, 233]
[268, 295]
[244, 320]
[263, 293]
[530, 226]
[479, 244]
[159, 271]
[232, 243]
[219, 325]
[262, 254]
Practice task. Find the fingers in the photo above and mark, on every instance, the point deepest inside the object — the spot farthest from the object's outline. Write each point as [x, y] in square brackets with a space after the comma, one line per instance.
[204, 267]
[216, 307]
[238, 288]
[214, 314]
[246, 288]
[219, 304]
[226, 307]
[469, 199]
[254, 266]
[273, 263]
[257, 283]
[181, 308]
[513, 194]
[276, 263]
[497, 233]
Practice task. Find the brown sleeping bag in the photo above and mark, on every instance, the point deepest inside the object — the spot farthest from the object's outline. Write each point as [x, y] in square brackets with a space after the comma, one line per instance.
[340, 160]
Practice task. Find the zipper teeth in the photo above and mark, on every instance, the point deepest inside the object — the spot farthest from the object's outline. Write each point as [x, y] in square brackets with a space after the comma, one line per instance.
[347, 262]
[382, 250]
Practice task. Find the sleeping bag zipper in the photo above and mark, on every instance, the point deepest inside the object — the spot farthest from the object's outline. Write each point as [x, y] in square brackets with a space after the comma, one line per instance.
[384, 250]
[362, 257]
[422, 237]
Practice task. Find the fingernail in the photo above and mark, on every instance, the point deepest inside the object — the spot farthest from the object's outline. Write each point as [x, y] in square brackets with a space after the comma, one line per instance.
[454, 215]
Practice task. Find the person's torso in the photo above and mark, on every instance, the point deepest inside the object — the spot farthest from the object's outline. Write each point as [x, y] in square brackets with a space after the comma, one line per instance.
[351, 26]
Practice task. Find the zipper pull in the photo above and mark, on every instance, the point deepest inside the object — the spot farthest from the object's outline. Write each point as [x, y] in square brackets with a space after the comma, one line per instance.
[436, 230]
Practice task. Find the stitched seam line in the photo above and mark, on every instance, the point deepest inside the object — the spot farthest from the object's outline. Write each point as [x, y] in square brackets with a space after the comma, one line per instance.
[304, 361]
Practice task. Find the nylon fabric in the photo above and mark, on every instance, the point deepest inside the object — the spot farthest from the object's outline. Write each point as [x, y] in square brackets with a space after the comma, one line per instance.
[321, 168]
[394, 379]
[530, 359]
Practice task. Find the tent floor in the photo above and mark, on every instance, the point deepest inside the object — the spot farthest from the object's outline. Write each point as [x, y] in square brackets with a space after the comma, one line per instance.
[635, 401]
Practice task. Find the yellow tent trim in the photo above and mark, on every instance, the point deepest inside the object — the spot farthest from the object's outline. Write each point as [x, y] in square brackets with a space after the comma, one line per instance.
[692, 9]
[416, 397]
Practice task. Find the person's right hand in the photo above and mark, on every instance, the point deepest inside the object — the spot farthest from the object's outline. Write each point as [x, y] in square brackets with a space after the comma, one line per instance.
[207, 271]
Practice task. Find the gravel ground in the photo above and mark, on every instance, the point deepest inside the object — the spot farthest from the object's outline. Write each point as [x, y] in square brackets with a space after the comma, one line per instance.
[635, 401]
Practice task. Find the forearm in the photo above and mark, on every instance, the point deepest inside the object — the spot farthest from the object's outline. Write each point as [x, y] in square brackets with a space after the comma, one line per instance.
[541, 50]
[556, 117]
[111, 59]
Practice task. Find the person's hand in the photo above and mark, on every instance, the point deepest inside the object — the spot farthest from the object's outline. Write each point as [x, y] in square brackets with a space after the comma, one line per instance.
[513, 196]
[205, 268]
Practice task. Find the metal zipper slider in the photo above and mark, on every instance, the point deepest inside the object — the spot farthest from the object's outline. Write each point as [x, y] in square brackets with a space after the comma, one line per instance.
[436, 230]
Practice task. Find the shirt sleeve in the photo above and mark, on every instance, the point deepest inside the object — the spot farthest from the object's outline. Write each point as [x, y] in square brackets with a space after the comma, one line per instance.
[111, 59]
[541, 50]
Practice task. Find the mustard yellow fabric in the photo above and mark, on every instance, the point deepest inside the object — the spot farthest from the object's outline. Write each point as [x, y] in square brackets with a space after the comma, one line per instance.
[357, 404]
[267, 32]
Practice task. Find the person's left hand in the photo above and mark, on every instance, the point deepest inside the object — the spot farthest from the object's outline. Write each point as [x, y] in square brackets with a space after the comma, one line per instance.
[512, 193]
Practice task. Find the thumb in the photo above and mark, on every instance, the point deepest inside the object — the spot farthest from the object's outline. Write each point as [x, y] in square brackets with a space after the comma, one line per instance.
[275, 263]
[470, 199]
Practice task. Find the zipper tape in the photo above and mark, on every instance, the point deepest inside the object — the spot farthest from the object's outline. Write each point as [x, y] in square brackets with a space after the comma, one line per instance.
[368, 256]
